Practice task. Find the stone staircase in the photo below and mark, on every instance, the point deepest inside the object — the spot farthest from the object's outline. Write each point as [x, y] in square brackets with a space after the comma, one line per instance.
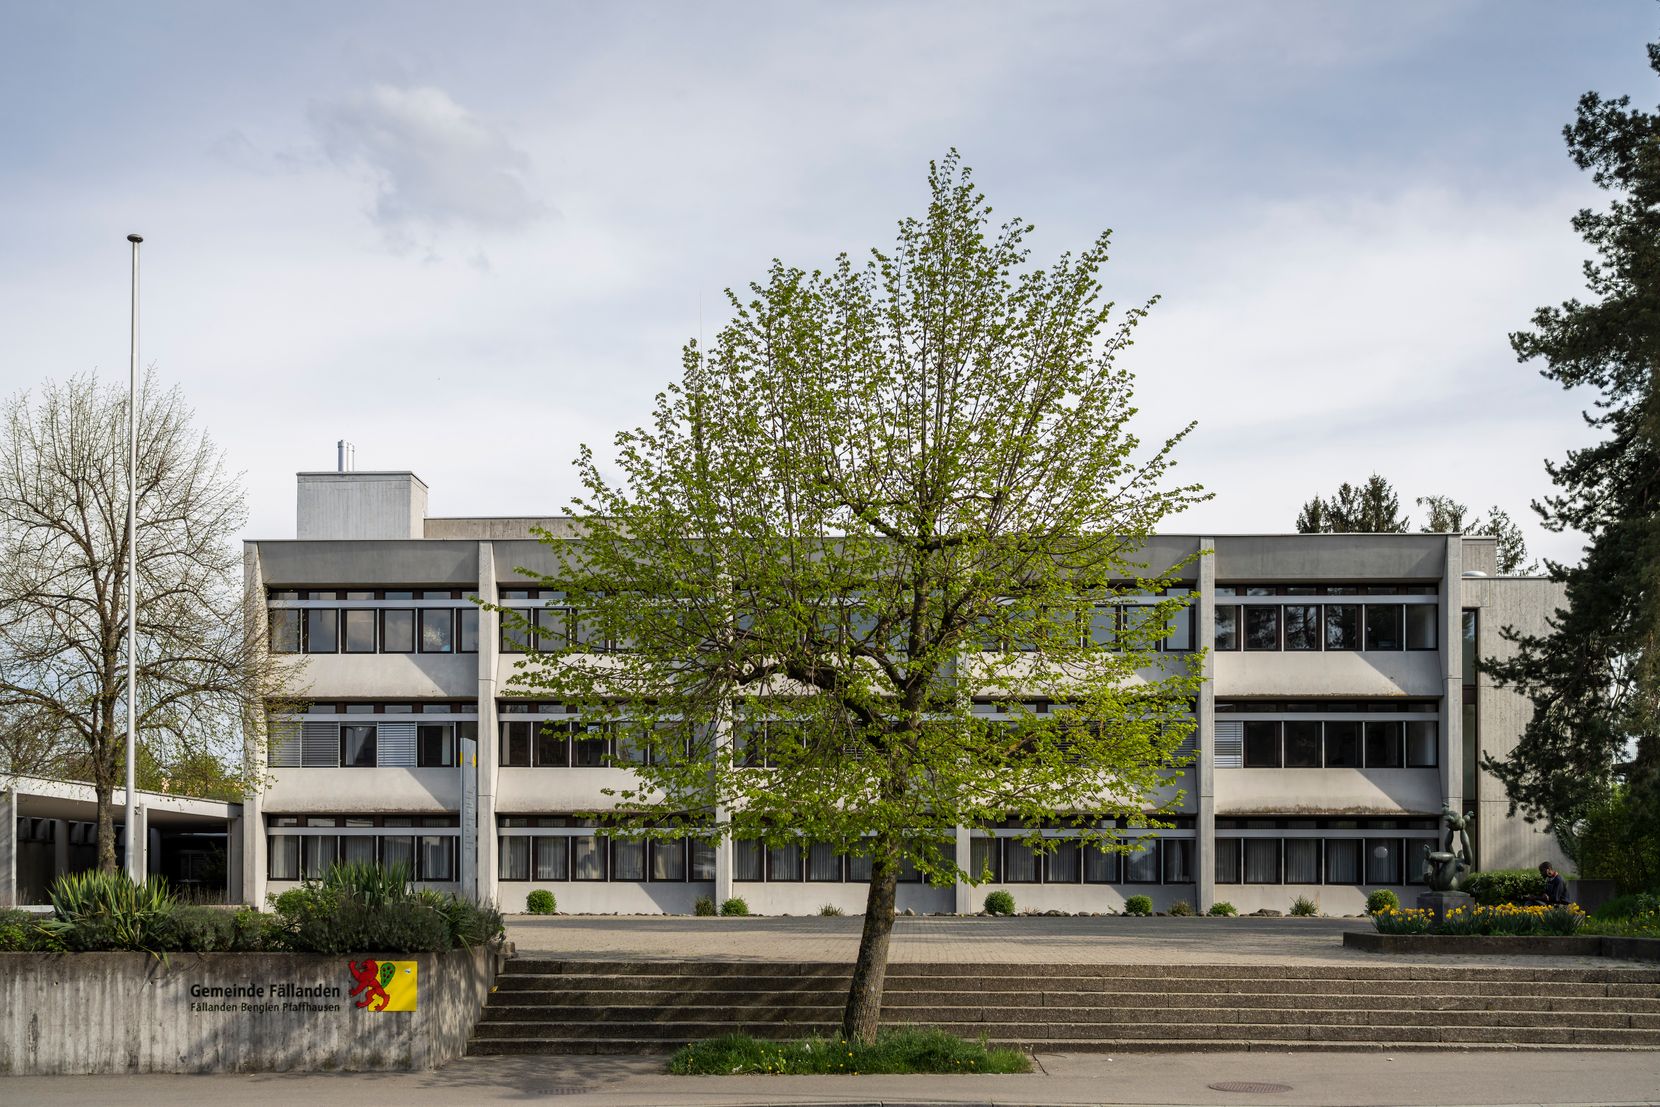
[543, 1006]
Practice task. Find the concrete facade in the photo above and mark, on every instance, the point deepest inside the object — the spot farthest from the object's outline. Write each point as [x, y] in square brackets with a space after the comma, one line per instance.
[1331, 729]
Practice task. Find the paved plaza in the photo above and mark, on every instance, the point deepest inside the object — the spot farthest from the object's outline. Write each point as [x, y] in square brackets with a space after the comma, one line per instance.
[1116, 939]
[1338, 1079]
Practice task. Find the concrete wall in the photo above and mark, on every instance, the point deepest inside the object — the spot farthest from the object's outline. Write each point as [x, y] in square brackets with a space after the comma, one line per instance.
[1506, 841]
[131, 1012]
[387, 791]
[361, 505]
[1338, 673]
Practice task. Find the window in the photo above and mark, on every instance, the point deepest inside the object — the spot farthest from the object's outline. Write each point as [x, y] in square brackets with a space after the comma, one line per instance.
[1342, 745]
[282, 852]
[1262, 860]
[1302, 860]
[1467, 647]
[437, 631]
[1383, 626]
[1178, 860]
[551, 624]
[398, 850]
[1181, 625]
[1342, 861]
[1063, 864]
[628, 859]
[1383, 745]
[467, 624]
[285, 638]
[1020, 863]
[1302, 627]
[357, 746]
[1227, 628]
[588, 857]
[1262, 745]
[1420, 626]
[1262, 628]
[1230, 861]
[553, 744]
[746, 860]
[553, 859]
[1383, 861]
[1342, 626]
[593, 746]
[397, 632]
[1142, 865]
[1302, 744]
[984, 858]
[435, 745]
[515, 857]
[1100, 865]
[437, 857]
[1422, 744]
[702, 859]
[358, 631]
[784, 863]
[823, 862]
[515, 743]
[514, 638]
[1103, 626]
[668, 859]
[321, 630]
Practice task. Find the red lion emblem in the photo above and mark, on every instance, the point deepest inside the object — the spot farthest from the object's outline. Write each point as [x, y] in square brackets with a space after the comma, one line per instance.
[369, 983]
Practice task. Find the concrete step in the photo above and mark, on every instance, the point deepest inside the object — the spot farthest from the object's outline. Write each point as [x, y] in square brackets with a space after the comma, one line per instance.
[1019, 971]
[574, 986]
[560, 1021]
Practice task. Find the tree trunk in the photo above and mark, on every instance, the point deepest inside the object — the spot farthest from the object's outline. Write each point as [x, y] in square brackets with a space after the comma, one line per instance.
[106, 827]
[864, 997]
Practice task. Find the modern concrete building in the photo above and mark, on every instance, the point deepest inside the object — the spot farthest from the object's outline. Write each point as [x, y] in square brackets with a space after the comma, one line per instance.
[1340, 711]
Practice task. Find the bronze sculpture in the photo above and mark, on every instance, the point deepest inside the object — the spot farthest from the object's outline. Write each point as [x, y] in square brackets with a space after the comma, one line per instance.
[1446, 869]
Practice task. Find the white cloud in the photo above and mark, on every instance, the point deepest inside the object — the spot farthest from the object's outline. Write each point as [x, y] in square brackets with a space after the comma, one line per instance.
[434, 164]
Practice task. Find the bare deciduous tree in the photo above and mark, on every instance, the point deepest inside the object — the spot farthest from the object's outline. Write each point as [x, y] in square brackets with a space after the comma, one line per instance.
[202, 676]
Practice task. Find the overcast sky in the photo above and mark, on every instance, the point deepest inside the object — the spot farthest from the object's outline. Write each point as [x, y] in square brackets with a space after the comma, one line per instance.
[469, 237]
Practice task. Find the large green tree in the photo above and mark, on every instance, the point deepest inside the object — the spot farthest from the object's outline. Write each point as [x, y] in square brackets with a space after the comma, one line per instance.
[892, 497]
[1448, 516]
[1371, 506]
[1595, 677]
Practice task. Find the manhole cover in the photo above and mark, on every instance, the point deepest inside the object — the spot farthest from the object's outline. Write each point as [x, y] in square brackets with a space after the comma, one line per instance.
[1248, 1086]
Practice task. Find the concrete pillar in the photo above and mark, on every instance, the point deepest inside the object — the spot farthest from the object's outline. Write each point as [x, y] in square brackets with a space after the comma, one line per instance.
[965, 892]
[152, 847]
[250, 843]
[483, 861]
[723, 864]
[60, 849]
[8, 847]
[235, 869]
[1453, 784]
[1204, 626]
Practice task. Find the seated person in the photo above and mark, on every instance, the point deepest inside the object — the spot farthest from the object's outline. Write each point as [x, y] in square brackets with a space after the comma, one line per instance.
[1556, 889]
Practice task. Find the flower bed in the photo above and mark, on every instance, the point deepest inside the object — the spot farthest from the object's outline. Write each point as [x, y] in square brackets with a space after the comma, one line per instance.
[1496, 920]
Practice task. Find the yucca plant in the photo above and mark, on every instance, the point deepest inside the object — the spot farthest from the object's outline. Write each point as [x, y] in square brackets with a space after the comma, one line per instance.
[367, 883]
[99, 910]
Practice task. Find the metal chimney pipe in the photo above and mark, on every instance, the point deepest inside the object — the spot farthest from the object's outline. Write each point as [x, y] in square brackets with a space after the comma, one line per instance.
[345, 459]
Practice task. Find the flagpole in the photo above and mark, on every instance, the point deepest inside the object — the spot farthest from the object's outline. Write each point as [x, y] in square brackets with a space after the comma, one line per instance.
[135, 835]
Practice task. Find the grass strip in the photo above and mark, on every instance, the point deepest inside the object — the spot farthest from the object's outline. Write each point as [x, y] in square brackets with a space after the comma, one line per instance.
[894, 1052]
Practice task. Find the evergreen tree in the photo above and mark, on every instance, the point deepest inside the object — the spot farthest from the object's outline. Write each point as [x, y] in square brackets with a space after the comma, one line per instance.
[1371, 508]
[1595, 676]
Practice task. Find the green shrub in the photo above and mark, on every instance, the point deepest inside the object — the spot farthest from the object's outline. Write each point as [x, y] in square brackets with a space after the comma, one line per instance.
[346, 926]
[541, 902]
[99, 910]
[1222, 909]
[1304, 908]
[830, 910]
[1620, 841]
[255, 930]
[908, 1050]
[470, 924]
[1505, 886]
[1138, 905]
[368, 883]
[734, 906]
[1381, 899]
[21, 932]
[1181, 908]
[999, 903]
[198, 929]
[1630, 906]
[703, 905]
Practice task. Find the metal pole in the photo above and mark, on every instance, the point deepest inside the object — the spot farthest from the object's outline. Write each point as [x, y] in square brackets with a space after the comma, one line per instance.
[136, 837]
